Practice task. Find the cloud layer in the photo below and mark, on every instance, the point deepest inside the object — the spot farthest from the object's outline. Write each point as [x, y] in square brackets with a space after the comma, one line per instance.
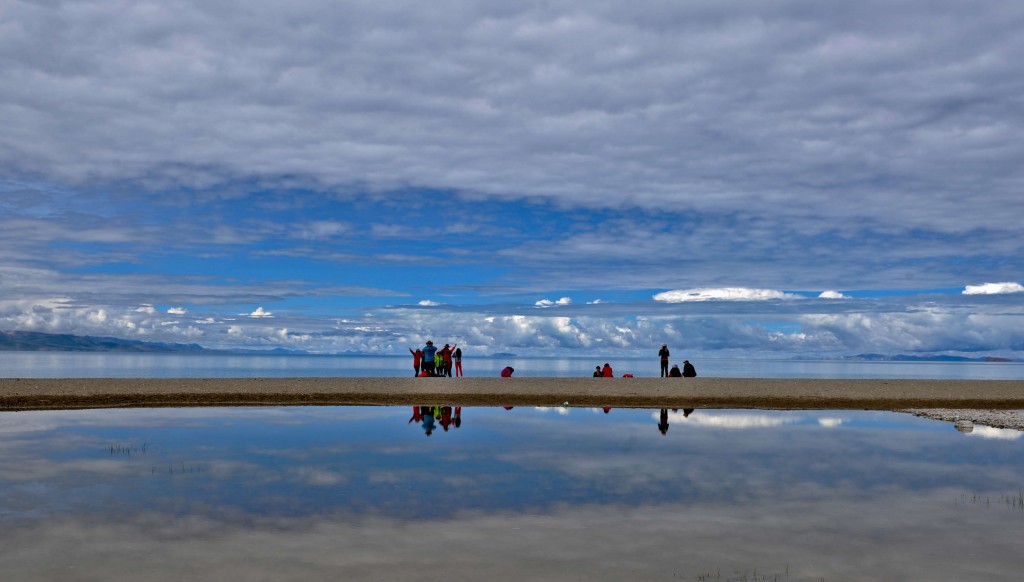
[296, 175]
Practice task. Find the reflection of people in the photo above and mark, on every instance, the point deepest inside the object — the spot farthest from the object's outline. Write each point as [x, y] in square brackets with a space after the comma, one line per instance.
[663, 421]
[597, 372]
[607, 409]
[687, 412]
[607, 371]
[663, 354]
[429, 351]
[428, 420]
[457, 360]
[417, 356]
[688, 370]
[457, 419]
[674, 372]
[507, 372]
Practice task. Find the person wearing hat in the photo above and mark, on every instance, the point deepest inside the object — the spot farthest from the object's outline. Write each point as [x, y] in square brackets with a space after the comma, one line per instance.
[663, 354]
[428, 357]
[674, 372]
[688, 370]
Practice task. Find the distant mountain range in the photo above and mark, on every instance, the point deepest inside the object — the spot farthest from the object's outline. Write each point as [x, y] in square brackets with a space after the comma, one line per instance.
[31, 341]
[929, 358]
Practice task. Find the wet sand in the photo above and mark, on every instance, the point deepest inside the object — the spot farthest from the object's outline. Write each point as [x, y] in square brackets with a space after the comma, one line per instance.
[763, 393]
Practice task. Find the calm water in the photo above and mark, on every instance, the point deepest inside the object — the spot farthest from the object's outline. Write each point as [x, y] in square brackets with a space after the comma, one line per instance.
[120, 365]
[364, 493]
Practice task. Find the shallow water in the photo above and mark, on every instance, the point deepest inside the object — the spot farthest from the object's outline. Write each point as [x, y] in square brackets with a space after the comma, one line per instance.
[128, 365]
[365, 493]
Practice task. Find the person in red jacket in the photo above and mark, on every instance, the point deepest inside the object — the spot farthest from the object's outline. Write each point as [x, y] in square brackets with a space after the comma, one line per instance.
[416, 357]
[607, 371]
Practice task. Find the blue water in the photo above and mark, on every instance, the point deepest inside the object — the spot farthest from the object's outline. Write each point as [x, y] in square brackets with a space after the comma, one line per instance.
[126, 365]
[366, 493]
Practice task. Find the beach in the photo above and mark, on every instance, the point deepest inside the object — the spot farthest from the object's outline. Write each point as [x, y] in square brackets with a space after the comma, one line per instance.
[765, 393]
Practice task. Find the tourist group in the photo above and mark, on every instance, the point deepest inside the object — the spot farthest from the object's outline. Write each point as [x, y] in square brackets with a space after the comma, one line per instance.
[430, 361]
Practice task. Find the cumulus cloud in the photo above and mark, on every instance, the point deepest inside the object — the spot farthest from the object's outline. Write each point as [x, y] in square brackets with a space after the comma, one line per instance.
[177, 311]
[993, 289]
[428, 303]
[550, 303]
[260, 313]
[723, 294]
[832, 295]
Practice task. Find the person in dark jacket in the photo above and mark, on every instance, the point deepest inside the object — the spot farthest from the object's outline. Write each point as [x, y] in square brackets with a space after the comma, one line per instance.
[688, 370]
[674, 372]
[663, 354]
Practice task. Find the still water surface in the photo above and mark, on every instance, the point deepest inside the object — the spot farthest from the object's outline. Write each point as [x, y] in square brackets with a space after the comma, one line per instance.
[365, 493]
[127, 365]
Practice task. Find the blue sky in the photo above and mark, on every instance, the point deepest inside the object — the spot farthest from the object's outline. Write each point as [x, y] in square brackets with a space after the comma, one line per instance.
[541, 178]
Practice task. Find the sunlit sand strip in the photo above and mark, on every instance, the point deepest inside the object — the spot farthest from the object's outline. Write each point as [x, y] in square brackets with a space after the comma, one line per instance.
[766, 393]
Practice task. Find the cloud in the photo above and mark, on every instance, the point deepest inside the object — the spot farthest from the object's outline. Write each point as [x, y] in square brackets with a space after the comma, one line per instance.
[260, 313]
[428, 303]
[546, 107]
[832, 295]
[993, 289]
[550, 303]
[177, 311]
[988, 432]
[723, 294]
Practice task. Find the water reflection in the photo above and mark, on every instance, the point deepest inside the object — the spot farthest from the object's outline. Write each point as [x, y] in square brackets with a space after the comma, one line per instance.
[275, 493]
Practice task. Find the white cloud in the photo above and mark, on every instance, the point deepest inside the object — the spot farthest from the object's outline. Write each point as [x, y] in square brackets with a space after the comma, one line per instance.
[832, 295]
[993, 289]
[550, 303]
[147, 309]
[177, 311]
[988, 432]
[828, 422]
[428, 303]
[731, 421]
[722, 294]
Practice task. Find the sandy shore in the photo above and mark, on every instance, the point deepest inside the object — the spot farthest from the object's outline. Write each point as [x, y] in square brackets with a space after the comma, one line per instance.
[35, 393]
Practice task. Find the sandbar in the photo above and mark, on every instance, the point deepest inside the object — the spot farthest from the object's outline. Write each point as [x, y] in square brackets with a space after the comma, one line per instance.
[703, 392]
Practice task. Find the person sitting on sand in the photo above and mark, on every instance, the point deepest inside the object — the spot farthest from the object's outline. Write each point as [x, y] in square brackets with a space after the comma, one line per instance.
[607, 371]
[688, 370]
[597, 372]
[507, 372]
[674, 372]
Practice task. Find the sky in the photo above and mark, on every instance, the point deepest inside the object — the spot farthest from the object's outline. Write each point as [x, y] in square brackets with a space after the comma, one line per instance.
[783, 179]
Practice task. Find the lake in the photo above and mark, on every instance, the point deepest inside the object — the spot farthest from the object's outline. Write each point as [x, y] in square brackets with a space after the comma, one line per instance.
[387, 493]
[129, 365]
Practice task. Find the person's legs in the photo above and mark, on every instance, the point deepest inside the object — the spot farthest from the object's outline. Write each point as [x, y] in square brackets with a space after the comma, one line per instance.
[664, 368]
[458, 369]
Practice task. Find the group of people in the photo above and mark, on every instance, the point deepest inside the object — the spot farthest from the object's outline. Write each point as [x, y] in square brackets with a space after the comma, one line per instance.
[431, 361]
[688, 370]
[446, 416]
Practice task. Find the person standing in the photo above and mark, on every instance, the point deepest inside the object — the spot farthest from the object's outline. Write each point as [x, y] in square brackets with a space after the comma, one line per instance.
[457, 360]
[417, 357]
[429, 351]
[663, 354]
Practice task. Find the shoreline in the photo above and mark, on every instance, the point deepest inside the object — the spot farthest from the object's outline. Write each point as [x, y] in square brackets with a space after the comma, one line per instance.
[701, 392]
